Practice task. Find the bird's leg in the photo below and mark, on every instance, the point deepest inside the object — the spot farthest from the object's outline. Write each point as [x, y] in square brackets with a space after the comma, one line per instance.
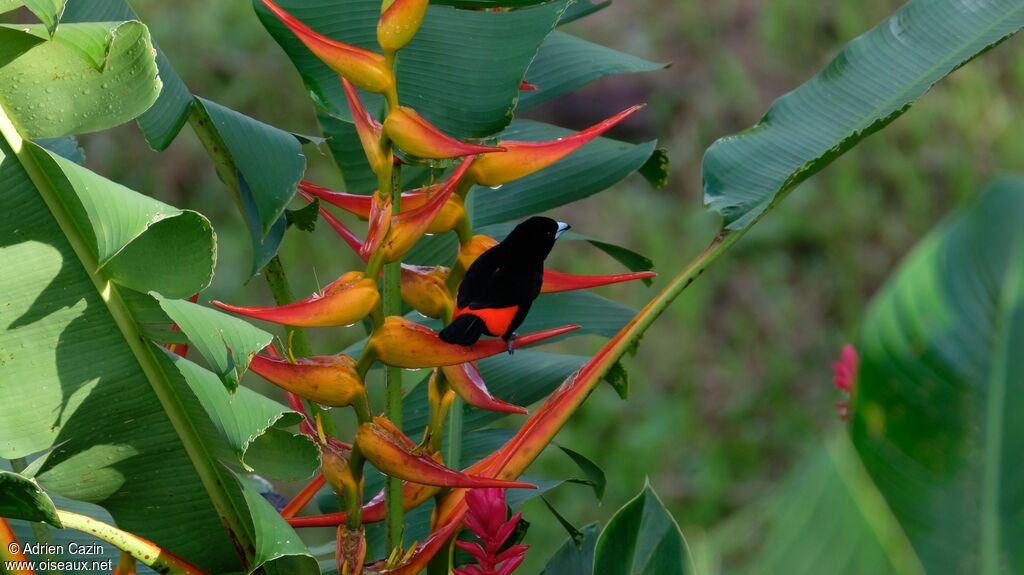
[509, 341]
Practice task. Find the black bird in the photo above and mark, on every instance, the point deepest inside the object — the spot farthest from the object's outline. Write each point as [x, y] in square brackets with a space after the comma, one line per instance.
[500, 286]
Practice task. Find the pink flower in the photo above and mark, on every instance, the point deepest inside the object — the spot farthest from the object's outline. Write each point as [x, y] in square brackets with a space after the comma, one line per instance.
[845, 378]
[486, 518]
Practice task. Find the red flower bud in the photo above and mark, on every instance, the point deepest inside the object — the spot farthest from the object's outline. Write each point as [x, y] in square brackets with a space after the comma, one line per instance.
[524, 158]
[418, 137]
[362, 67]
[344, 301]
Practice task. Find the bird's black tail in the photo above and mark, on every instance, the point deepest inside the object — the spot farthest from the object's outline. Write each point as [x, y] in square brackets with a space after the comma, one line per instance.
[465, 330]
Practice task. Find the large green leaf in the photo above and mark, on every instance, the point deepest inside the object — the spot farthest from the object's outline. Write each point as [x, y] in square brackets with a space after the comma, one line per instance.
[485, 56]
[79, 379]
[827, 517]
[89, 77]
[572, 558]
[587, 171]
[48, 11]
[937, 418]
[642, 538]
[226, 342]
[21, 498]
[162, 122]
[260, 163]
[870, 82]
[253, 426]
[566, 63]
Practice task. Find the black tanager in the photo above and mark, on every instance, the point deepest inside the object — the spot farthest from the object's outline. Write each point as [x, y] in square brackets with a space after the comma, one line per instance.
[499, 287]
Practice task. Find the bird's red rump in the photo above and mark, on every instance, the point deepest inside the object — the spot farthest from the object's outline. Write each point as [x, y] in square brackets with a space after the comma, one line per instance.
[497, 319]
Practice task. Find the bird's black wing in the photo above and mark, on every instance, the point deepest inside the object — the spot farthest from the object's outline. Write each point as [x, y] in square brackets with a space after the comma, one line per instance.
[492, 282]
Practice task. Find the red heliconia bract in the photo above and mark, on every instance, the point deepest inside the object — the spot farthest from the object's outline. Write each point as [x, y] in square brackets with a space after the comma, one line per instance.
[364, 68]
[403, 343]
[524, 158]
[328, 380]
[368, 128]
[343, 302]
[466, 381]
[560, 281]
[391, 452]
[416, 136]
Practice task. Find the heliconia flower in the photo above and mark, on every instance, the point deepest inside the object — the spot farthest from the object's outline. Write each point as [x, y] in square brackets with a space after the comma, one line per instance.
[403, 343]
[408, 227]
[336, 470]
[466, 381]
[380, 224]
[468, 252]
[399, 23]
[391, 452]
[416, 560]
[524, 158]
[486, 518]
[361, 204]
[350, 550]
[367, 70]
[423, 288]
[559, 281]
[304, 496]
[340, 228]
[344, 301]
[413, 495]
[367, 128]
[328, 380]
[418, 137]
[525, 86]
[845, 378]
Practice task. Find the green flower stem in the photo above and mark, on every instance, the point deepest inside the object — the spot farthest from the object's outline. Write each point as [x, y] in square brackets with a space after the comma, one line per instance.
[454, 456]
[40, 529]
[298, 339]
[392, 299]
[354, 504]
[146, 552]
[207, 467]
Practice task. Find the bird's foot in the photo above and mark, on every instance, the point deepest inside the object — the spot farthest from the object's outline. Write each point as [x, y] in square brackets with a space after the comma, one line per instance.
[510, 342]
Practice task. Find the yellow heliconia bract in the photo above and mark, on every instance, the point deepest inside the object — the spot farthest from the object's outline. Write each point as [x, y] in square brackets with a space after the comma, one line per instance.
[416, 136]
[328, 380]
[402, 343]
[521, 159]
[367, 70]
[399, 23]
[392, 453]
[424, 289]
[344, 301]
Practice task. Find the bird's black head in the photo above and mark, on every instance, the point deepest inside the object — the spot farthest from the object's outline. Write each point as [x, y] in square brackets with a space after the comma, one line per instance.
[534, 238]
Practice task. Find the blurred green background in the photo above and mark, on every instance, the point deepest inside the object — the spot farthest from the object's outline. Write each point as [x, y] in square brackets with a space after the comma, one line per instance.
[734, 382]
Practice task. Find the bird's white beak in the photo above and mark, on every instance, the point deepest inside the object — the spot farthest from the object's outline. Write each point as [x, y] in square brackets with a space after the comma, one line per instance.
[562, 226]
